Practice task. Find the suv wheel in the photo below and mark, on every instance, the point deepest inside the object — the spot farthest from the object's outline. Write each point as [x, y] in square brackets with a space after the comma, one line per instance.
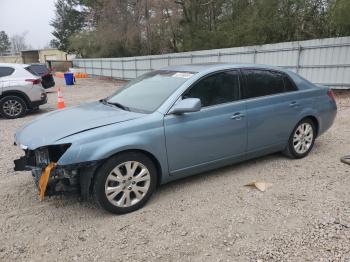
[125, 182]
[12, 107]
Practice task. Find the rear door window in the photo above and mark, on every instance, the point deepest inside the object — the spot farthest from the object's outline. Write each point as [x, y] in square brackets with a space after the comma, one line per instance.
[216, 89]
[6, 71]
[262, 83]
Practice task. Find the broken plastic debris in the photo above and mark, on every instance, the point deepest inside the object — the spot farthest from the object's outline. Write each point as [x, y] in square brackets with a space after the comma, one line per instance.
[262, 186]
[44, 179]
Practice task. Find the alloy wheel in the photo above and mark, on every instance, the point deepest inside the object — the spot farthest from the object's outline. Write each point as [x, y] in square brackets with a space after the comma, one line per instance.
[303, 138]
[127, 184]
[12, 108]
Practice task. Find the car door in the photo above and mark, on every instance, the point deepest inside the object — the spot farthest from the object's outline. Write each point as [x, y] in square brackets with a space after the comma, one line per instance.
[216, 133]
[272, 108]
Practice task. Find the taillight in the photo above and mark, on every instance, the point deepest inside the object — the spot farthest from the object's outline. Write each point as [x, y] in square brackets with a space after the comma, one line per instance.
[34, 81]
[331, 94]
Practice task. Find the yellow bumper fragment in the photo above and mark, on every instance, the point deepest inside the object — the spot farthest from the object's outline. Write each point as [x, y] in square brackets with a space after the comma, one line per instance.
[44, 179]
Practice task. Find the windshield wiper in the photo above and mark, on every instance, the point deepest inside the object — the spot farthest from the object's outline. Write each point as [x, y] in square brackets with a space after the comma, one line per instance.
[115, 104]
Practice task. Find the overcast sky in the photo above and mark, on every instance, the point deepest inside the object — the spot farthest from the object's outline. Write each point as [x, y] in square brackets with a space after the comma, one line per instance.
[31, 16]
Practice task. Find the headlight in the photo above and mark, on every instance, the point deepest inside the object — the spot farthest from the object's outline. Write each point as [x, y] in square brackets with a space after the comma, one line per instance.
[45, 155]
[42, 157]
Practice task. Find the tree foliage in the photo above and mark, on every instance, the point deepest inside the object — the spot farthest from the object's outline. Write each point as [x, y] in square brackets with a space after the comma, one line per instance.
[68, 21]
[5, 44]
[106, 28]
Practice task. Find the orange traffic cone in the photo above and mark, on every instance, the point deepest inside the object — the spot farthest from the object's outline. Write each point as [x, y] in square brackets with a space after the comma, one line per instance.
[60, 101]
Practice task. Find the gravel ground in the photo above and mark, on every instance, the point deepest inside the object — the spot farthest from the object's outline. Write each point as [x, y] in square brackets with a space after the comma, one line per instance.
[304, 216]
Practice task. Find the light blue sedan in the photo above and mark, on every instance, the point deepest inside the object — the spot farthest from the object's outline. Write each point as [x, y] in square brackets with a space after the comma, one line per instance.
[172, 123]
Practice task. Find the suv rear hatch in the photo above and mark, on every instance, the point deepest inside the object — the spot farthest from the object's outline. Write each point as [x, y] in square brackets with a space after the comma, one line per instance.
[45, 74]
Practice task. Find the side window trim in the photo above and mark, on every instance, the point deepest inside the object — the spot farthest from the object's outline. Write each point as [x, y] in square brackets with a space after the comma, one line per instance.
[240, 80]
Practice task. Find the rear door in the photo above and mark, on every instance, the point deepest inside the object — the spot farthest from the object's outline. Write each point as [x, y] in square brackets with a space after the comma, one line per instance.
[272, 108]
[217, 132]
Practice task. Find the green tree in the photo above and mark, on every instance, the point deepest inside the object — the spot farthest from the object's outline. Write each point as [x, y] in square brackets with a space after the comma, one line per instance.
[107, 28]
[68, 21]
[85, 44]
[339, 17]
[5, 44]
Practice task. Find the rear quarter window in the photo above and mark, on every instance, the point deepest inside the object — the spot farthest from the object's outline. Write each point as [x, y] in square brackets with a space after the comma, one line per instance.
[6, 71]
[262, 83]
[288, 84]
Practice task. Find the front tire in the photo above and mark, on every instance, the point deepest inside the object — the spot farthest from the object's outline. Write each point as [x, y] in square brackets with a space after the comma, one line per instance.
[12, 107]
[125, 182]
[302, 139]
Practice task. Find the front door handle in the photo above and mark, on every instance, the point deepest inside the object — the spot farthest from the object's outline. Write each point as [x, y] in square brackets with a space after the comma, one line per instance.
[294, 104]
[237, 116]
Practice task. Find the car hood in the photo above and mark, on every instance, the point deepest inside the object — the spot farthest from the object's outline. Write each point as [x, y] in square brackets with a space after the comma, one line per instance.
[51, 127]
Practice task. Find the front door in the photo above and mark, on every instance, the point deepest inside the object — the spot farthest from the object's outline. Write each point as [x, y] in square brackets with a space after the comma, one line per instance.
[216, 133]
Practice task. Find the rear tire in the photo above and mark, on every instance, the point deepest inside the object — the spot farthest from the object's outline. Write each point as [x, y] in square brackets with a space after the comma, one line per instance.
[302, 139]
[125, 182]
[12, 107]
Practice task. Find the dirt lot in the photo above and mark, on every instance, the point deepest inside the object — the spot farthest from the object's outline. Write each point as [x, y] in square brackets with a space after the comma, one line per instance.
[304, 216]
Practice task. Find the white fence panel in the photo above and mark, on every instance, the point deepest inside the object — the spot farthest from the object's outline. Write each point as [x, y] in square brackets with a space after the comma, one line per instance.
[322, 61]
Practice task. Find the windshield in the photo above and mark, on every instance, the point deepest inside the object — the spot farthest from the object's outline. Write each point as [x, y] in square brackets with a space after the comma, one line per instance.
[147, 92]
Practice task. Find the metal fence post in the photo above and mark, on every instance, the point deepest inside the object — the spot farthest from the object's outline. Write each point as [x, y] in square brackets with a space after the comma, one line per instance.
[191, 59]
[101, 67]
[168, 60]
[110, 65]
[150, 63]
[298, 58]
[254, 55]
[123, 74]
[84, 63]
[136, 67]
[219, 57]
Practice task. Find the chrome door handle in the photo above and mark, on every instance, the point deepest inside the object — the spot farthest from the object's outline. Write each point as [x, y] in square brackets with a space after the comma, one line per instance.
[237, 116]
[294, 104]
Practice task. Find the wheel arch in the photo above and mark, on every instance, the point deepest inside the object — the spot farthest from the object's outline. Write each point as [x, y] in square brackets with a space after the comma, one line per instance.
[17, 93]
[149, 155]
[142, 151]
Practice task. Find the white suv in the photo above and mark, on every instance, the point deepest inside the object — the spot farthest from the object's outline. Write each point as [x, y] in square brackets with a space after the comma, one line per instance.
[20, 90]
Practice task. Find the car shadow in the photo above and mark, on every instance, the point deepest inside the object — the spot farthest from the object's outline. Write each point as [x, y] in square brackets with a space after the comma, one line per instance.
[221, 172]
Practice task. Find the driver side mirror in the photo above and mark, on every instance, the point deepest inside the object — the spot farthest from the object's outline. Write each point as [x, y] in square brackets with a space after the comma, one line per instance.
[186, 105]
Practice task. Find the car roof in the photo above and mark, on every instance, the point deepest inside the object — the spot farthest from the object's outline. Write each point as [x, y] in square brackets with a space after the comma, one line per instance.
[13, 65]
[218, 66]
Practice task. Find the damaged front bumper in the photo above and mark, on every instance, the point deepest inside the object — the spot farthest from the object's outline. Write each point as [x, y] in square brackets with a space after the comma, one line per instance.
[51, 178]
